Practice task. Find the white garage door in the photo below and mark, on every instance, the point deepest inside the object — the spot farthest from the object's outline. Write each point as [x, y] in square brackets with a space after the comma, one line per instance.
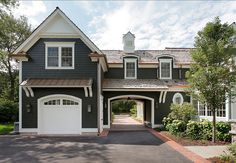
[60, 114]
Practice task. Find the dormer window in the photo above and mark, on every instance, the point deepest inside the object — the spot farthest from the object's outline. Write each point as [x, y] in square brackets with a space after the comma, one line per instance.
[165, 68]
[59, 55]
[130, 68]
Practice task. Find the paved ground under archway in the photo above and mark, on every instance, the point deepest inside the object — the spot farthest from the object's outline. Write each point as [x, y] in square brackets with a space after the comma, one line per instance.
[125, 122]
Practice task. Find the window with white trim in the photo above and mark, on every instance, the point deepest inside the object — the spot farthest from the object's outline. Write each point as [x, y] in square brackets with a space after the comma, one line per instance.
[130, 68]
[178, 98]
[59, 55]
[202, 110]
[165, 68]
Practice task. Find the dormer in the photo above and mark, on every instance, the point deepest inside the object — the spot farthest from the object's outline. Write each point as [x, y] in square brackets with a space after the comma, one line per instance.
[128, 42]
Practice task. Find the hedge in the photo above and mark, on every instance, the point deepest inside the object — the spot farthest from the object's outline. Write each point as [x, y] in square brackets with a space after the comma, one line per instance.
[8, 111]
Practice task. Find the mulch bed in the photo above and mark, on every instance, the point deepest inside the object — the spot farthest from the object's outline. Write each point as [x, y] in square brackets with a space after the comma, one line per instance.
[189, 142]
[215, 160]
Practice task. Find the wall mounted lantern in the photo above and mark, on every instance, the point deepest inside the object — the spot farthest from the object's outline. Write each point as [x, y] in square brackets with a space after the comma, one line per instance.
[89, 108]
[28, 108]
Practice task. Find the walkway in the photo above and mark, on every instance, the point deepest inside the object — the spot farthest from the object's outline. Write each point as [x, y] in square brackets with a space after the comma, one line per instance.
[208, 151]
[126, 123]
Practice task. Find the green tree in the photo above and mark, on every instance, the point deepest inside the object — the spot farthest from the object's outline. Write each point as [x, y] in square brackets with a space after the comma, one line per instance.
[212, 75]
[7, 4]
[13, 32]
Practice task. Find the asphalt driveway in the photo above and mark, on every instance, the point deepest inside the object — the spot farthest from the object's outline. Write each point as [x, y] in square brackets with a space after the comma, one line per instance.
[123, 147]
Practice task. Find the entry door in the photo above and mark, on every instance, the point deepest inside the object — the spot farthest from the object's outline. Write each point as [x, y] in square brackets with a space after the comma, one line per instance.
[101, 114]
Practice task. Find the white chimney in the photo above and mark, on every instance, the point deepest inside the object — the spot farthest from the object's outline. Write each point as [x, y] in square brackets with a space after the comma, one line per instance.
[128, 42]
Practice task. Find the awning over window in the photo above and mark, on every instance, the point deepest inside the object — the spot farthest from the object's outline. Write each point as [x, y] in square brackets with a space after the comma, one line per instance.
[28, 84]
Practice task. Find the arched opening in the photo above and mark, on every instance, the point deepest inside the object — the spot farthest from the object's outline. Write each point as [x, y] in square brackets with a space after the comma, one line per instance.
[144, 112]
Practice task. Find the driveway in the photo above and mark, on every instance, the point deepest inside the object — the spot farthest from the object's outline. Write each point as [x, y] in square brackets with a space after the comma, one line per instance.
[125, 122]
[117, 147]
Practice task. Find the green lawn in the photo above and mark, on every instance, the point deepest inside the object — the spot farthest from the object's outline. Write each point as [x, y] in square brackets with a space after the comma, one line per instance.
[6, 128]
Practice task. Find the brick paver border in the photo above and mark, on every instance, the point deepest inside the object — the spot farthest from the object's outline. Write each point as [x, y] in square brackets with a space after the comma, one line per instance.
[179, 148]
[104, 133]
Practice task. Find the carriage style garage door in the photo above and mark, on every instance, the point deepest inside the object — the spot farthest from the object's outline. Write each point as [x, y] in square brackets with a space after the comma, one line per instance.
[59, 114]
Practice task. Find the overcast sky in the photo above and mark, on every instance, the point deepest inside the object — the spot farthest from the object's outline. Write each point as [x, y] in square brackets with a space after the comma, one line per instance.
[156, 24]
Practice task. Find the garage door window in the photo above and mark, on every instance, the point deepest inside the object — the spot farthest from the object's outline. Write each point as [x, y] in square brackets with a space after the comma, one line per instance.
[52, 102]
[69, 102]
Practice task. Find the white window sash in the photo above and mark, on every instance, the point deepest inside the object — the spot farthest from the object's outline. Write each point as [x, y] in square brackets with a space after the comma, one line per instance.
[59, 45]
[131, 60]
[165, 61]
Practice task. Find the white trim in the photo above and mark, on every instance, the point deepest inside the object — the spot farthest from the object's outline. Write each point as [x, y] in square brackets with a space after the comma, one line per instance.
[59, 45]
[56, 86]
[164, 97]
[59, 35]
[90, 91]
[178, 95]
[227, 103]
[20, 96]
[29, 130]
[25, 46]
[31, 91]
[131, 96]
[158, 125]
[26, 92]
[149, 65]
[210, 118]
[160, 97]
[120, 65]
[85, 92]
[143, 65]
[131, 60]
[106, 126]
[165, 61]
[98, 96]
[40, 100]
[165, 55]
[89, 130]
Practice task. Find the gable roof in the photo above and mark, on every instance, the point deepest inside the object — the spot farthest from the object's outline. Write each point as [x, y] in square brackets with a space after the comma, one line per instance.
[29, 42]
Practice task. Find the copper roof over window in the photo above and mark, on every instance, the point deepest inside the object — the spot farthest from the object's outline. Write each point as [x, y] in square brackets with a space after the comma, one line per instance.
[143, 84]
[57, 83]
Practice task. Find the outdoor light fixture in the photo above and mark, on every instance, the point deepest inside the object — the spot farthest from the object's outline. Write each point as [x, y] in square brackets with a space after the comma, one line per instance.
[28, 108]
[89, 108]
[156, 105]
[128, 98]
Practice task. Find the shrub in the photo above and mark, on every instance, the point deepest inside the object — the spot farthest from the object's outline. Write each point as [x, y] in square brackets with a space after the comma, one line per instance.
[133, 111]
[184, 112]
[177, 127]
[223, 129]
[8, 111]
[166, 121]
[193, 130]
[232, 149]
[206, 130]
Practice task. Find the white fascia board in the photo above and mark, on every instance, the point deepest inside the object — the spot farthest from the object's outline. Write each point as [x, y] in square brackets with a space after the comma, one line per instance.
[32, 38]
[35, 36]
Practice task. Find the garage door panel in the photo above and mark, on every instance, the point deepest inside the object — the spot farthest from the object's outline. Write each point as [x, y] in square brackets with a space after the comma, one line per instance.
[60, 116]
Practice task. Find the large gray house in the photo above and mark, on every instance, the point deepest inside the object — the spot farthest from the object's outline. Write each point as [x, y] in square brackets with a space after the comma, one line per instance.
[67, 84]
